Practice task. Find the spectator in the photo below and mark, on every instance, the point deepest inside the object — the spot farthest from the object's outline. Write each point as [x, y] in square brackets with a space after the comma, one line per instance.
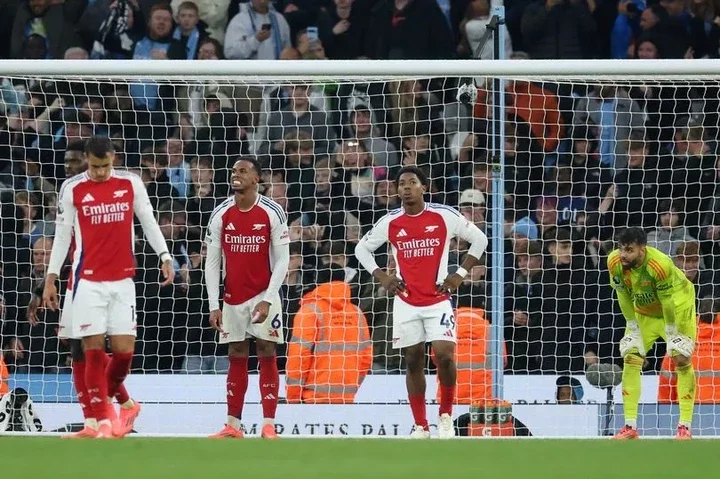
[407, 29]
[361, 125]
[342, 30]
[472, 30]
[45, 26]
[189, 30]
[557, 29]
[257, 32]
[671, 230]
[213, 15]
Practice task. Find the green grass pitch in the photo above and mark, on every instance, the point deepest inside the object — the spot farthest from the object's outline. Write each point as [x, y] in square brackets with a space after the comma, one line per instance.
[159, 458]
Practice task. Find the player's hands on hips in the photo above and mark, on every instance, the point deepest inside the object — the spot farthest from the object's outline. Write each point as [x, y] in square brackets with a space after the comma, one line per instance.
[50, 294]
[168, 272]
[260, 312]
[392, 284]
[216, 320]
[32, 309]
[451, 284]
[678, 342]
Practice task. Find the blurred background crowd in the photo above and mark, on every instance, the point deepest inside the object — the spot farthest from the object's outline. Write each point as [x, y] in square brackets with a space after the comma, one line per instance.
[583, 159]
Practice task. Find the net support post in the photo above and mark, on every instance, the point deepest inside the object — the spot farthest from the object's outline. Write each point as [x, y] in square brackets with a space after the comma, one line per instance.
[498, 210]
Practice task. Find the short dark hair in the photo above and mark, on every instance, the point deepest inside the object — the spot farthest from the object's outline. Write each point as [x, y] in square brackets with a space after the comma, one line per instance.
[630, 236]
[75, 146]
[252, 160]
[415, 171]
[99, 146]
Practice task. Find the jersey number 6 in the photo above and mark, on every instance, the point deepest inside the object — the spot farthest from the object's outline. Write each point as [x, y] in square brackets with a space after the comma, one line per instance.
[275, 323]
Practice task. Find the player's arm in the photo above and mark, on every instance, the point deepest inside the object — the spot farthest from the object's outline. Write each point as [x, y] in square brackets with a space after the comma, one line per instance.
[213, 262]
[364, 250]
[144, 211]
[64, 224]
[669, 297]
[280, 248]
[466, 231]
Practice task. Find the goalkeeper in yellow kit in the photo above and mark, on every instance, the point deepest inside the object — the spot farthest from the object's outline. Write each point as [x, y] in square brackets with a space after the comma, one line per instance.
[658, 301]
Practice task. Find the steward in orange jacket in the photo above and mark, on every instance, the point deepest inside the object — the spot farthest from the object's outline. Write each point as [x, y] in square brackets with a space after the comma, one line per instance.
[706, 361]
[330, 351]
[472, 356]
[4, 376]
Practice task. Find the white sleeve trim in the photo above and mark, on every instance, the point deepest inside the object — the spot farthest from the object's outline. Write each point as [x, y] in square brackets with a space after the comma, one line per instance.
[281, 255]
[212, 276]
[146, 215]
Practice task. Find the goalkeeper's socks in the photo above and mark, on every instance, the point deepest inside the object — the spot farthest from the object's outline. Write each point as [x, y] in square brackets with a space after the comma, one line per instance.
[686, 393]
[417, 404]
[121, 396]
[117, 370]
[631, 386]
[269, 385]
[447, 397]
[78, 374]
[96, 382]
[237, 383]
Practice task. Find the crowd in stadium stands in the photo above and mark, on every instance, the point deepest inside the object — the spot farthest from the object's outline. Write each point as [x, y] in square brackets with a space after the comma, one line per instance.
[583, 159]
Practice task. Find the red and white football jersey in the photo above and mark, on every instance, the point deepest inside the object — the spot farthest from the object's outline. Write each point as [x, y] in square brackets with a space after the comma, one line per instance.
[101, 214]
[420, 245]
[246, 239]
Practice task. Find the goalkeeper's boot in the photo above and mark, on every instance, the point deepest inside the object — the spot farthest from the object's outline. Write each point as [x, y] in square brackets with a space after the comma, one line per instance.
[268, 432]
[419, 432]
[228, 432]
[627, 432]
[683, 433]
[128, 415]
[446, 428]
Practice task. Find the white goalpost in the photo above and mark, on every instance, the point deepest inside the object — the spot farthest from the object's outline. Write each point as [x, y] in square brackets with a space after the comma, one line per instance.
[582, 149]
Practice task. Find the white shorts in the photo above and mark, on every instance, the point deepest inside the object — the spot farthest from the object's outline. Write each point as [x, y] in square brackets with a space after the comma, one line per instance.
[104, 307]
[422, 324]
[65, 330]
[238, 326]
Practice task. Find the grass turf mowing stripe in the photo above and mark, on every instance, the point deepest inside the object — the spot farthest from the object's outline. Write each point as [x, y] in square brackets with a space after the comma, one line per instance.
[354, 458]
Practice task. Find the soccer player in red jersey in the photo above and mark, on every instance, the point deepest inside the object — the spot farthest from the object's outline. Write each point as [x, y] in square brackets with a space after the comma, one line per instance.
[248, 235]
[96, 210]
[419, 234]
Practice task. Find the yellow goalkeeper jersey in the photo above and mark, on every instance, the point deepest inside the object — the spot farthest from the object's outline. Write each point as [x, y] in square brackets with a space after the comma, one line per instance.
[644, 290]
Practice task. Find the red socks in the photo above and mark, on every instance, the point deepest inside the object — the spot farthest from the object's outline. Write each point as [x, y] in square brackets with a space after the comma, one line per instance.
[237, 383]
[417, 404]
[269, 385]
[116, 372]
[121, 395]
[78, 374]
[447, 397]
[96, 383]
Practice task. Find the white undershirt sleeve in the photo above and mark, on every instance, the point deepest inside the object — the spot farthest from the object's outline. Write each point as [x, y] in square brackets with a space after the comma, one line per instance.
[64, 223]
[145, 213]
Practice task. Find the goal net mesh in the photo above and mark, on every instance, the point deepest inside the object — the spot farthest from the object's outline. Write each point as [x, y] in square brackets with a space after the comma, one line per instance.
[583, 159]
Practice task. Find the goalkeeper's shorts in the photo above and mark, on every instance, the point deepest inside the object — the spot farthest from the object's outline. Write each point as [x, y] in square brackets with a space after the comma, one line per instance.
[652, 329]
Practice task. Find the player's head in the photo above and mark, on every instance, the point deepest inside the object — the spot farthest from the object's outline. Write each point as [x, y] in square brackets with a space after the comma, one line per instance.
[411, 184]
[245, 174]
[75, 161]
[631, 243]
[100, 154]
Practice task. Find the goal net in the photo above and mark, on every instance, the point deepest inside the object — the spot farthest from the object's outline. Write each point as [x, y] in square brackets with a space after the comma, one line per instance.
[584, 154]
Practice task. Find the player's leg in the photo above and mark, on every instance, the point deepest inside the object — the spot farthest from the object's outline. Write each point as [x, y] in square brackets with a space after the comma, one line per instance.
[78, 373]
[90, 313]
[122, 329]
[686, 380]
[268, 335]
[269, 385]
[236, 320]
[439, 324]
[639, 338]
[408, 334]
